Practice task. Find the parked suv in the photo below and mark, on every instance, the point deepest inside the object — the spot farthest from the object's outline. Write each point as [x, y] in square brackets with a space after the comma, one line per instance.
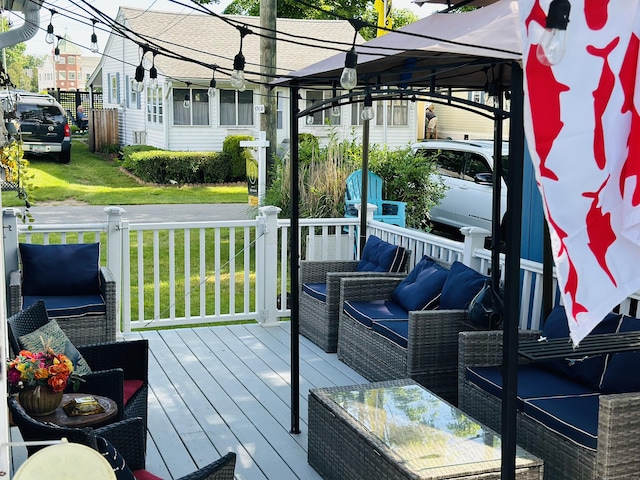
[466, 167]
[43, 123]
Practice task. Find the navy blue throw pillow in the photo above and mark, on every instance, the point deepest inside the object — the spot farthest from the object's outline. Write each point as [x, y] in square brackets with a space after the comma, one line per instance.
[120, 467]
[422, 286]
[620, 375]
[462, 284]
[381, 256]
[60, 269]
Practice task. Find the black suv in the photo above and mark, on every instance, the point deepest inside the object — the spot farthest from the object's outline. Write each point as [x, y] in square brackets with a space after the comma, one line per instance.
[43, 124]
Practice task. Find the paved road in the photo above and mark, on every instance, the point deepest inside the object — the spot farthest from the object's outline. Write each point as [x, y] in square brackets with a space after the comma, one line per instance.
[145, 213]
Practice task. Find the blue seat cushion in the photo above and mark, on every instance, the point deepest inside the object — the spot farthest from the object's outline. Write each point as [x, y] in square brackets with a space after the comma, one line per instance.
[366, 312]
[462, 284]
[533, 382]
[620, 373]
[587, 370]
[395, 330]
[69, 305]
[316, 290]
[381, 256]
[422, 287]
[575, 417]
[71, 269]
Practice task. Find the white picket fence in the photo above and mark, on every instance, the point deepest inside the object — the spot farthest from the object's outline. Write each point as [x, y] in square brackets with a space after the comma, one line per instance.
[221, 271]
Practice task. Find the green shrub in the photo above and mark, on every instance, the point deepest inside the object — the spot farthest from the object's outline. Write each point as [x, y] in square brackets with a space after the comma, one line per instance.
[127, 150]
[237, 156]
[160, 166]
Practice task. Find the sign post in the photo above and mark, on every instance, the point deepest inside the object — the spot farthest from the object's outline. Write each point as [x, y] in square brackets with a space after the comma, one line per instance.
[257, 171]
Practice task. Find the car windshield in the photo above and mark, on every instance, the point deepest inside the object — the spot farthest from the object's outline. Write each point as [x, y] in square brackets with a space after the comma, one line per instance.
[48, 114]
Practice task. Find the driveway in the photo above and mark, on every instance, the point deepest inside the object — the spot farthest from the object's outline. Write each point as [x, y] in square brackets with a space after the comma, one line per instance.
[66, 214]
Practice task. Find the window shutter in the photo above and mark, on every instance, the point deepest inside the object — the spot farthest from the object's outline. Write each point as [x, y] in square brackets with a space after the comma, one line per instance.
[109, 88]
[118, 87]
[128, 94]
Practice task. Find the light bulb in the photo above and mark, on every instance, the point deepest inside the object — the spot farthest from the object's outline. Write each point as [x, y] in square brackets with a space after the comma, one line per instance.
[94, 43]
[367, 113]
[212, 88]
[335, 111]
[349, 77]
[552, 46]
[50, 37]
[309, 119]
[137, 86]
[56, 55]
[237, 80]
[187, 101]
[153, 78]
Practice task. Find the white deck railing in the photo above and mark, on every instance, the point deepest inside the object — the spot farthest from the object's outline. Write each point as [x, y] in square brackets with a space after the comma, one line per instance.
[239, 270]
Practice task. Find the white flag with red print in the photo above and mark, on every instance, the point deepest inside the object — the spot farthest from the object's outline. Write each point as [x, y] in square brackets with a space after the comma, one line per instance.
[582, 126]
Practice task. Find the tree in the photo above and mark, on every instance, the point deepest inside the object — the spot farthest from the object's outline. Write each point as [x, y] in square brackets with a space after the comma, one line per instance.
[294, 9]
[18, 65]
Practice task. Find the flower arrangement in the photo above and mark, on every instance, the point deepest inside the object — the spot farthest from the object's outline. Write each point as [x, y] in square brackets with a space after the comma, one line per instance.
[40, 369]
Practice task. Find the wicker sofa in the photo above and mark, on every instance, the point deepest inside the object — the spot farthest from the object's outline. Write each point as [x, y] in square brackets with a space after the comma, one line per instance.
[417, 343]
[567, 413]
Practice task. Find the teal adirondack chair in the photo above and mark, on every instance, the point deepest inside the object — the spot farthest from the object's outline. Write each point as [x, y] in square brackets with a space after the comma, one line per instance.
[388, 211]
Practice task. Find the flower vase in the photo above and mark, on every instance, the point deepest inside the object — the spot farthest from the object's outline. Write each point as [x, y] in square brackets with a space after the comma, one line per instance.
[39, 401]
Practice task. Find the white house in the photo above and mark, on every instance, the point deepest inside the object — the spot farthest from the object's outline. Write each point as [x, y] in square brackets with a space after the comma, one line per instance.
[158, 117]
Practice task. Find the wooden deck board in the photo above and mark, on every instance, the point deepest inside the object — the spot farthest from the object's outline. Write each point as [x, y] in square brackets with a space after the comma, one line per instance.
[227, 388]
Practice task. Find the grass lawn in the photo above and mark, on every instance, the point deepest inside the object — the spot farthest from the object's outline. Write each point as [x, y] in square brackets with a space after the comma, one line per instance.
[97, 180]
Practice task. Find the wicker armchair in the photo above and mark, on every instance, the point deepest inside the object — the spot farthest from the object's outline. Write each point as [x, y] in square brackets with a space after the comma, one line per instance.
[430, 356]
[119, 370]
[127, 436]
[85, 312]
[617, 454]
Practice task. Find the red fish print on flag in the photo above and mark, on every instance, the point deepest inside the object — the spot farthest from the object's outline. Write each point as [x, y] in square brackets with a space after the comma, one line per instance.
[582, 125]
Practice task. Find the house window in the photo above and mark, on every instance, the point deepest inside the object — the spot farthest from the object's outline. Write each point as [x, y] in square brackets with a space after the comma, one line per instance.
[62, 75]
[72, 75]
[71, 60]
[324, 117]
[280, 110]
[397, 112]
[236, 108]
[114, 87]
[477, 97]
[198, 111]
[154, 105]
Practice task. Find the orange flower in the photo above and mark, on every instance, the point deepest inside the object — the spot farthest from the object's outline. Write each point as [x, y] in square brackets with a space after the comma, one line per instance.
[58, 383]
[41, 373]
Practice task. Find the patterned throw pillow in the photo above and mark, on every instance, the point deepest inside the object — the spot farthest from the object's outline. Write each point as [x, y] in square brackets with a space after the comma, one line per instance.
[52, 334]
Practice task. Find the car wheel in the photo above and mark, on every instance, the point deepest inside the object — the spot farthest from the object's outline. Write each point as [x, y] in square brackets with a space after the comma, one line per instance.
[64, 157]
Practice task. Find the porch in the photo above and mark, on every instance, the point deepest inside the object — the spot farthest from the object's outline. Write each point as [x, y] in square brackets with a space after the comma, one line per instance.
[227, 388]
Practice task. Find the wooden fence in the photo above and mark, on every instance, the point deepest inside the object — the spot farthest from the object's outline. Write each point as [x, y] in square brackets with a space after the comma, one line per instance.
[103, 128]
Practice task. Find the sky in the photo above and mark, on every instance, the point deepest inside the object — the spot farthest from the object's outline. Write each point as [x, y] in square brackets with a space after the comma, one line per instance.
[73, 18]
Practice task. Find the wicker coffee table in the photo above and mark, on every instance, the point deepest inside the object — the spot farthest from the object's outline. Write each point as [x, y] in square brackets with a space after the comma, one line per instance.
[399, 430]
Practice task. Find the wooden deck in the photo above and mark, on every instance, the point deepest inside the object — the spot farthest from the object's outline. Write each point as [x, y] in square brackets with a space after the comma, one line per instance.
[227, 388]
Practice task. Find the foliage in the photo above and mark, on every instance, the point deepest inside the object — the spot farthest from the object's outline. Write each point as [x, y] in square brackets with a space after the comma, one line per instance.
[110, 148]
[40, 369]
[18, 63]
[237, 156]
[408, 178]
[165, 167]
[401, 17]
[16, 173]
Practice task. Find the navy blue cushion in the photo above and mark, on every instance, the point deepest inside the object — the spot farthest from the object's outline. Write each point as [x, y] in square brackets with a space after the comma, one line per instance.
[366, 312]
[60, 269]
[533, 382]
[620, 374]
[69, 305]
[422, 286]
[316, 290]
[381, 256]
[585, 370]
[462, 284]
[574, 417]
[395, 330]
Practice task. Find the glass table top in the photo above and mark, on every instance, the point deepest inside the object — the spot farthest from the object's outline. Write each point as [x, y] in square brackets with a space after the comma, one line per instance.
[422, 430]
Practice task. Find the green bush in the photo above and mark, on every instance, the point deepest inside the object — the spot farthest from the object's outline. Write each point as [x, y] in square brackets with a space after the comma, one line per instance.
[237, 156]
[160, 166]
[129, 149]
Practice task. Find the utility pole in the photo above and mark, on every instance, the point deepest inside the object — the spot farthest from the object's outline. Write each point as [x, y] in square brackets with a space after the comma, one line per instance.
[268, 120]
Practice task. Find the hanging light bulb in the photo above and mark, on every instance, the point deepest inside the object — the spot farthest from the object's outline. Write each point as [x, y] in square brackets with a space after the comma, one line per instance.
[349, 77]
[50, 37]
[309, 119]
[335, 110]
[137, 84]
[552, 45]
[367, 111]
[187, 99]
[56, 52]
[237, 76]
[94, 38]
[153, 78]
[212, 84]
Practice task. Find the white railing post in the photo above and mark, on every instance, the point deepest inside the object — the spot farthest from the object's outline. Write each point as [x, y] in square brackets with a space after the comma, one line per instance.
[267, 266]
[115, 252]
[10, 239]
[473, 240]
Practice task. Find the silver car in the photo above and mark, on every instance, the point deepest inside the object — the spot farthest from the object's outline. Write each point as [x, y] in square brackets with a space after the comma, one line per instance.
[466, 168]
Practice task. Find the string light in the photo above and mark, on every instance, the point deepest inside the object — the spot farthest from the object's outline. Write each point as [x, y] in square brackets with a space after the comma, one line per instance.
[552, 45]
[237, 76]
[367, 111]
[137, 84]
[212, 84]
[50, 37]
[94, 38]
[349, 77]
[153, 73]
[56, 51]
[187, 99]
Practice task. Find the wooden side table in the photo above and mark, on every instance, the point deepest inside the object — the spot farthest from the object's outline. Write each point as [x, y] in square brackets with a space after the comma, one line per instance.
[59, 417]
